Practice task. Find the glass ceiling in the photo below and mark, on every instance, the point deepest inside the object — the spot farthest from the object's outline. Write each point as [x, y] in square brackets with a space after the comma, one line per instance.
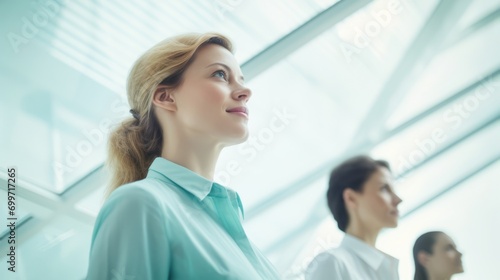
[414, 82]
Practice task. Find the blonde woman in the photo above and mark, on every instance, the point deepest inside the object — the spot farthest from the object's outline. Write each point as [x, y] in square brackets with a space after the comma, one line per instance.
[165, 218]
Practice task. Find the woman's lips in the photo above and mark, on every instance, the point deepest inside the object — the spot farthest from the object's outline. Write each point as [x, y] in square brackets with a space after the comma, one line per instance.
[242, 111]
[239, 113]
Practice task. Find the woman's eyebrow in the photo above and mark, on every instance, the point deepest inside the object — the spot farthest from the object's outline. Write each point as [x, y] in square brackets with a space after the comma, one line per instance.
[226, 67]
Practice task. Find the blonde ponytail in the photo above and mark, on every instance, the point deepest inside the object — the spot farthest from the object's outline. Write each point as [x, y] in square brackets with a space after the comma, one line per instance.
[137, 141]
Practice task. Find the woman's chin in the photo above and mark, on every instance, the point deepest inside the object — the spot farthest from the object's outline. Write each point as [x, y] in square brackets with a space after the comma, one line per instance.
[392, 224]
[237, 138]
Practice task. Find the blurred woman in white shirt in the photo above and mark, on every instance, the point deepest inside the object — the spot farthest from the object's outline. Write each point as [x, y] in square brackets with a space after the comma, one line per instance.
[362, 201]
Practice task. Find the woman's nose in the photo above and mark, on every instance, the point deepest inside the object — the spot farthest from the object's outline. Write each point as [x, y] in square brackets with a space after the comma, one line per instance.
[397, 200]
[242, 93]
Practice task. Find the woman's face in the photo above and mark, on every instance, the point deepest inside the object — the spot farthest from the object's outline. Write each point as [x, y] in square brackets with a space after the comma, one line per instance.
[445, 259]
[211, 100]
[377, 204]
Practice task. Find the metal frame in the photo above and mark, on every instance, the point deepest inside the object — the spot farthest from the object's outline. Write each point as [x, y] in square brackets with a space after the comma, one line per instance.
[300, 36]
[56, 205]
[425, 45]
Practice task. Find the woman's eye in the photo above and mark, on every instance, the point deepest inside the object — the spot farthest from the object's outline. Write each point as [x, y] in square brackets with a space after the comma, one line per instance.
[220, 74]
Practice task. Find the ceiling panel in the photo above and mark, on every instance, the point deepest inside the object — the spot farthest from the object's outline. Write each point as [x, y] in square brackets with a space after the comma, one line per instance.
[450, 72]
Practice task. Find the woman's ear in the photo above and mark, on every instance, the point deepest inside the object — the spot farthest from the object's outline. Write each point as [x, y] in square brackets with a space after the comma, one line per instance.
[164, 98]
[423, 258]
[349, 196]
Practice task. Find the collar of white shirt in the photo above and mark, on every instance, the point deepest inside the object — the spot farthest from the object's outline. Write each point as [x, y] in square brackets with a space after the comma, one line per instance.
[372, 256]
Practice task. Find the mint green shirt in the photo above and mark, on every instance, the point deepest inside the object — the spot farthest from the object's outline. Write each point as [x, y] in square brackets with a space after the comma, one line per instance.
[174, 224]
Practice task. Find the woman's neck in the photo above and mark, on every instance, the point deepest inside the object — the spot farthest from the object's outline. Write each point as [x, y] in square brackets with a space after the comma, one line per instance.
[195, 155]
[368, 236]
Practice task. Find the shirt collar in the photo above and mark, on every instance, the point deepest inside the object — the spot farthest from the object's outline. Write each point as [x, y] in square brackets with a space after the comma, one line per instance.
[166, 170]
[372, 256]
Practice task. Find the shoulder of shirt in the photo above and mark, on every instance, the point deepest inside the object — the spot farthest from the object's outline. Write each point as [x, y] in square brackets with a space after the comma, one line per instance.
[330, 262]
[148, 191]
[128, 200]
[132, 193]
[337, 256]
[143, 188]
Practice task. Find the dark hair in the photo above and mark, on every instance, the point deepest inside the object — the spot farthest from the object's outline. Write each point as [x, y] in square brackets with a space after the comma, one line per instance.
[352, 174]
[423, 243]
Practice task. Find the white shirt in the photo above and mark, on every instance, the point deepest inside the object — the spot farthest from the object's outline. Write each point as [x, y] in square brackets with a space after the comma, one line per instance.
[353, 260]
